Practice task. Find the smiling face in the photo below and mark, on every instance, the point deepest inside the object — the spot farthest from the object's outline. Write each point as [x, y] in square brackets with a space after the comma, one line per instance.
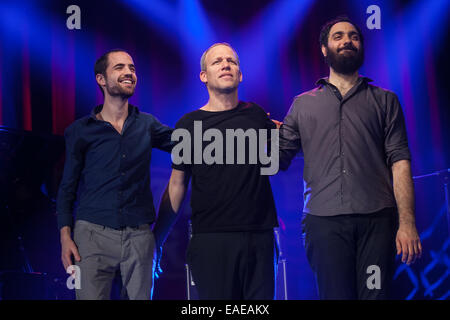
[222, 72]
[344, 51]
[120, 75]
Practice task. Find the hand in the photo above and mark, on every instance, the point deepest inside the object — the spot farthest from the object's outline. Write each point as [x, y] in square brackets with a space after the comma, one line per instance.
[408, 243]
[68, 249]
[158, 270]
[277, 123]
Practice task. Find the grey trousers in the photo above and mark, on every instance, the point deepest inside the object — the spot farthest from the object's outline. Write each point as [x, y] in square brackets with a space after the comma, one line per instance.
[104, 251]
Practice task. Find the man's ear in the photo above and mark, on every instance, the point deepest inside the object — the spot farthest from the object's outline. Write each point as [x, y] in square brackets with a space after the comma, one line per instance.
[324, 50]
[240, 76]
[100, 79]
[203, 77]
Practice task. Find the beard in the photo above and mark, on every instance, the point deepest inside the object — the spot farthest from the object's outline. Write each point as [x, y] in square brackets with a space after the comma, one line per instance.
[346, 63]
[115, 90]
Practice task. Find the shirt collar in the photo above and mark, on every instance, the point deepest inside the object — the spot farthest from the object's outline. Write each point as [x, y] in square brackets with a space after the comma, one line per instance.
[324, 81]
[132, 112]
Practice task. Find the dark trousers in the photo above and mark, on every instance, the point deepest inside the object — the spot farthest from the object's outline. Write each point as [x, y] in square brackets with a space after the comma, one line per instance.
[352, 256]
[234, 265]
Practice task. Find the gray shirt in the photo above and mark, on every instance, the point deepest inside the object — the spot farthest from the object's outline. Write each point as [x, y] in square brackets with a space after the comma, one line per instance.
[349, 145]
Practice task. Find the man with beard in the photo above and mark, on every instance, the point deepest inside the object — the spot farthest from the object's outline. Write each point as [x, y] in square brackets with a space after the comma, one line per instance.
[108, 157]
[232, 253]
[358, 189]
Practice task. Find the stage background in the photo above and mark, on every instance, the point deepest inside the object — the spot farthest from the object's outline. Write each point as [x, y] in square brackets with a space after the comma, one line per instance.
[47, 81]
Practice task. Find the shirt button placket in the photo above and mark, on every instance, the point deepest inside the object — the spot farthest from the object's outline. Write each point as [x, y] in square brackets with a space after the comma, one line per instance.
[122, 173]
[341, 140]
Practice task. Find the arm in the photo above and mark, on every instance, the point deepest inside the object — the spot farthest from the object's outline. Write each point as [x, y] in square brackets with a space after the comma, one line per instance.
[171, 201]
[407, 240]
[67, 195]
[289, 138]
[161, 136]
[398, 159]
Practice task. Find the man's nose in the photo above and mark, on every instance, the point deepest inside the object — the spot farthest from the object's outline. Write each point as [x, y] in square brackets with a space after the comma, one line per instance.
[225, 64]
[128, 71]
[346, 39]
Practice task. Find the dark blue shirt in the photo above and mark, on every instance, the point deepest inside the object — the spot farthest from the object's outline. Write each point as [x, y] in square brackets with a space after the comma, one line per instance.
[112, 170]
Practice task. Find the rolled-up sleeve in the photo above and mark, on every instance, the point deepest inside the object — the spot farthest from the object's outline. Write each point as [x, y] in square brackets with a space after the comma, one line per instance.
[289, 141]
[73, 166]
[396, 140]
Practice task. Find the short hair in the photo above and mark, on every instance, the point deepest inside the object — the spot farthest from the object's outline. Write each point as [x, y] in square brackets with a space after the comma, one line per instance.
[325, 31]
[102, 64]
[203, 58]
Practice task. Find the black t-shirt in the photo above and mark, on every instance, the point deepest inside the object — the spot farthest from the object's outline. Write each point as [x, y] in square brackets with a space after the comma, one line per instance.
[229, 197]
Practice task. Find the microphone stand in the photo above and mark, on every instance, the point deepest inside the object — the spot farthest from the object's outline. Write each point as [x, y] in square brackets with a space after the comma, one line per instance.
[444, 176]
